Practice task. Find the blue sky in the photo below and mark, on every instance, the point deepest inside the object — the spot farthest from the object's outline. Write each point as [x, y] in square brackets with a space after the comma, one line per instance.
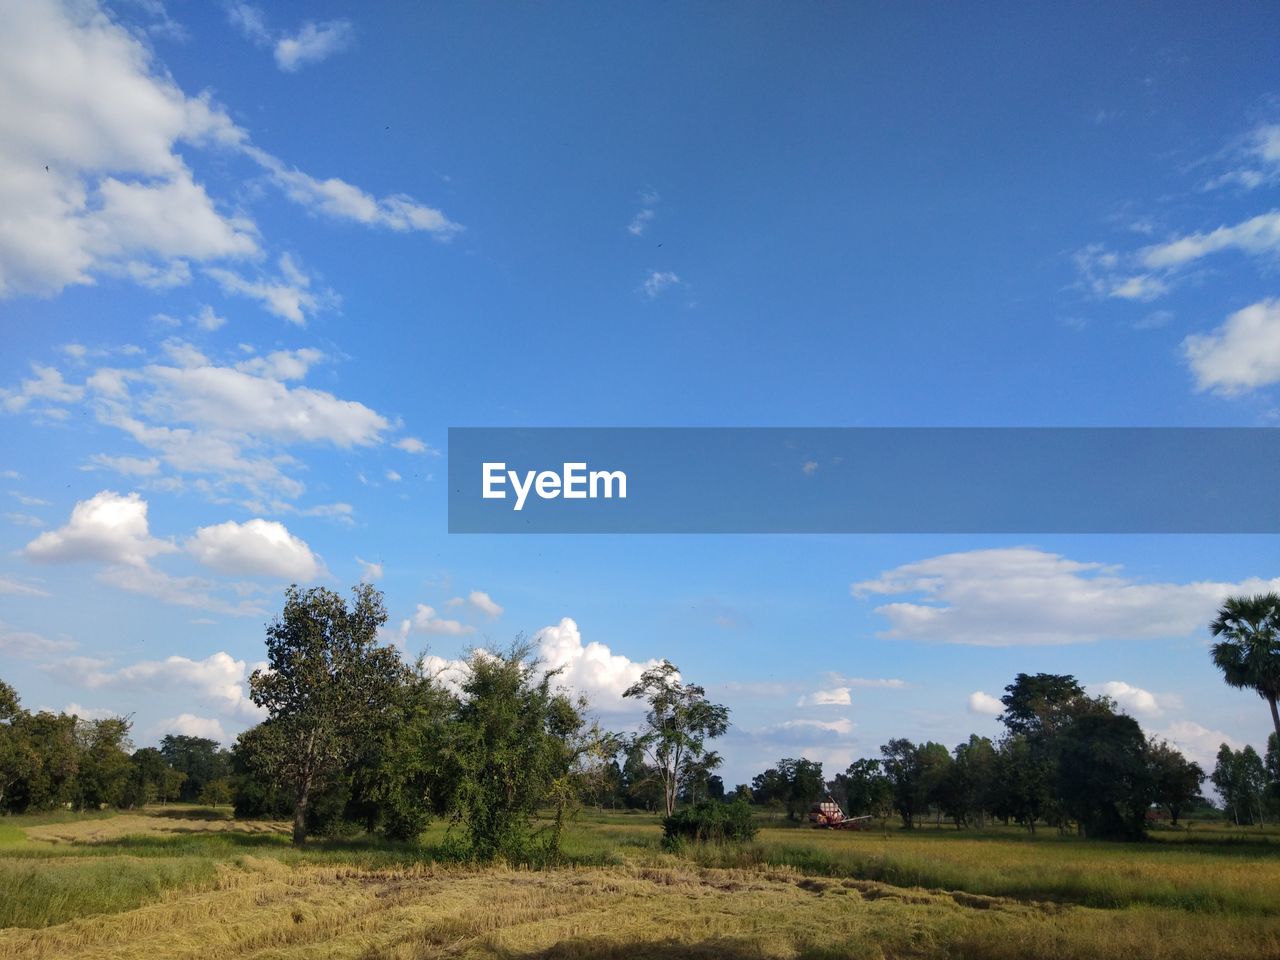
[278, 251]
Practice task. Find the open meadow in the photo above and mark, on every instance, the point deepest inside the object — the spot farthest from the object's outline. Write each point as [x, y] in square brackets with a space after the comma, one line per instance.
[191, 882]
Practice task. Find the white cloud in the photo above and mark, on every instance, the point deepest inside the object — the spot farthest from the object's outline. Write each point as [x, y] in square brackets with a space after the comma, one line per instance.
[208, 320]
[1197, 742]
[1257, 235]
[189, 725]
[1242, 354]
[1023, 596]
[414, 445]
[94, 162]
[393, 477]
[340, 200]
[1131, 699]
[24, 520]
[112, 530]
[591, 669]
[837, 696]
[426, 620]
[219, 679]
[228, 422]
[20, 589]
[127, 466]
[312, 43]
[984, 704]
[88, 154]
[659, 281]
[47, 385]
[644, 216]
[29, 645]
[369, 572]
[842, 726]
[89, 713]
[484, 603]
[108, 528]
[255, 547]
[1258, 158]
[287, 295]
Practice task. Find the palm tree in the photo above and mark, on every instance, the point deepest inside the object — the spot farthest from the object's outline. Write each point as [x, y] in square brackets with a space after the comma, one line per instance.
[1249, 654]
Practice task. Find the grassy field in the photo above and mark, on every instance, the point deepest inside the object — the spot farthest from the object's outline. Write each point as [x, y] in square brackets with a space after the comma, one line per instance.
[186, 882]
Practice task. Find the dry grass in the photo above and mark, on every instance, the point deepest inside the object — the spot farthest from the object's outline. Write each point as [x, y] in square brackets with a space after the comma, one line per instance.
[265, 909]
[259, 899]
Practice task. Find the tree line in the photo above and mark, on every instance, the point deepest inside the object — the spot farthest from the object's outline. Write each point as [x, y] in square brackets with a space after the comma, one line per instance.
[356, 738]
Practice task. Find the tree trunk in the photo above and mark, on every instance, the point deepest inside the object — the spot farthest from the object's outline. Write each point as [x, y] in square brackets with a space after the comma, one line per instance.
[300, 817]
[1275, 717]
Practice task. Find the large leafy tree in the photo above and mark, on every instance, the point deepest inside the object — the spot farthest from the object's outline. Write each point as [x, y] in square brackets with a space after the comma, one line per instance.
[513, 742]
[677, 727]
[1248, 653]
[200, 758]
[1176, 780]
[1104, 776]
[327, 682]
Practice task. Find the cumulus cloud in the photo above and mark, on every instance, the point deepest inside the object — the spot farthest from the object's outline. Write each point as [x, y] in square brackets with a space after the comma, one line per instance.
[1197, 742]
[484, 603]
[94, 162]
[108, 528]
[1241, 355]
[414, 445]
[88, 157]
[592, 668]
[985, 705]
[837, 696]
[255, 547]
[312, 43]
[1131, 699]
[1022, 596]
[189, 725]
[111, 529]
[370, 572]
[219, 679]
[227, 424]
[427, 620]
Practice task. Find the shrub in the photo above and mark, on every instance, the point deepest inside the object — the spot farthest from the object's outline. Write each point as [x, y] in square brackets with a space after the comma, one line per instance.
[710, 821]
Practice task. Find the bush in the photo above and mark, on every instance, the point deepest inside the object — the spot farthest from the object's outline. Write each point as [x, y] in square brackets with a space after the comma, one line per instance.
[710, 821]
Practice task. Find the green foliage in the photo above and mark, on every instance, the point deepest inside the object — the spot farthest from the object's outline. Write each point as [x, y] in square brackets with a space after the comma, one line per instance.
[679, 722]
[1249, 652]
[328, 683]
[711, 821]
[863, 789]
[507, 749]
[1104, 776]
[794, 783]
[1175, 780]
[1240, 777]
[199, 758]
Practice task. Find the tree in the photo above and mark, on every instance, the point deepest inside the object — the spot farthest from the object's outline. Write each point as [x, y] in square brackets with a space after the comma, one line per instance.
[864, 789]
[795, 784]
[917, 774]
[1104, 776]
[678, 725]
[1176, 780]
[200, 758]
[1249, 653]
[1037, 706]
[105, 766]
[968, 791]
[507, 749]
[327, 680]
[216, 792]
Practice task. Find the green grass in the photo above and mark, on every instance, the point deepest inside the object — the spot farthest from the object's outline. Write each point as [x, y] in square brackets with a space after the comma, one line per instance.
[1206, 884]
